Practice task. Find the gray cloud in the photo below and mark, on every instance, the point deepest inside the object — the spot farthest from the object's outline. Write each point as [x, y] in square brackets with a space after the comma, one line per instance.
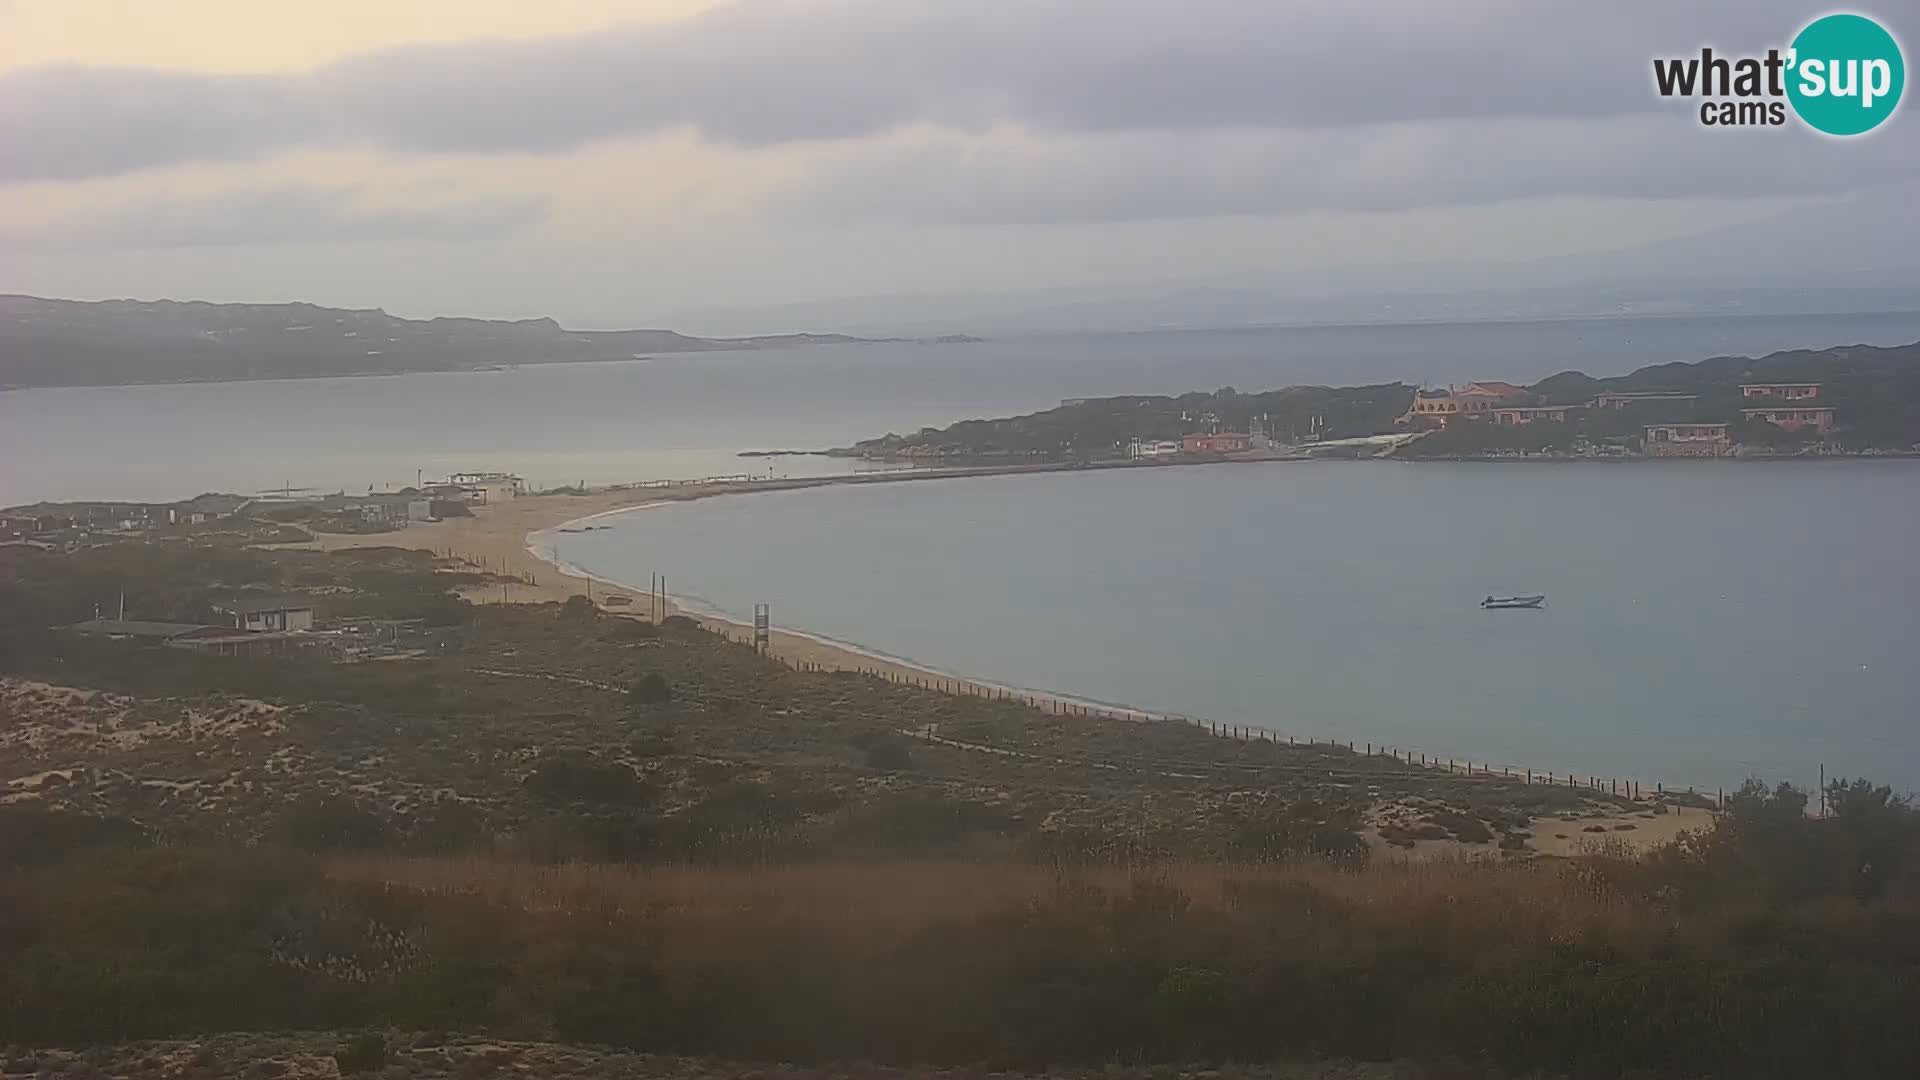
[760, 74]
[267, 217]
[1146, 175]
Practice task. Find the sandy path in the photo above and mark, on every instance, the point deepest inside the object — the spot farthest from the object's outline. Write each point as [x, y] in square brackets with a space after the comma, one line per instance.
[1559, 836]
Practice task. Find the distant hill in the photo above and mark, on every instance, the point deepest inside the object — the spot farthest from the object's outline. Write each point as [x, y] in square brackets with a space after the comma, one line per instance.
[116, 342]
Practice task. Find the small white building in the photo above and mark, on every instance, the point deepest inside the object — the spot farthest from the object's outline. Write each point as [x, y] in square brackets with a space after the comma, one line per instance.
[493, 487]
[271, 613]
[1149, 448]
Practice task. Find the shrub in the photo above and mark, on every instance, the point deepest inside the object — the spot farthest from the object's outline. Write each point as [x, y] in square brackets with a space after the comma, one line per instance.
[1188, 1009]
[657, 742]
[621, 630]
[652, 689]
[891, 753]
[572, 778]
[364, 1053]
[1465, 827]
[332, 823]
[919, 822]
[30, 836]
[451, 828]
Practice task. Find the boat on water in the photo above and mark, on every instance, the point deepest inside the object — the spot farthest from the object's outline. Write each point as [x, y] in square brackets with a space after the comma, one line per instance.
[1493, 603]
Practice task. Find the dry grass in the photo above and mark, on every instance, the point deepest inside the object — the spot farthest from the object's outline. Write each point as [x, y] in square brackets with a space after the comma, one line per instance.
[896, 898]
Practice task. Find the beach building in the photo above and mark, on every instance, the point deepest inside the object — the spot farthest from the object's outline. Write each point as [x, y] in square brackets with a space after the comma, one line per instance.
[1152, 448]
[195, 637]
[157, 633]
[1781, 391]
[270, 613]
[1687, 440]
[1522, 415]
[489, 487]
[224, 641]
[1218, 442]
[1793, 418]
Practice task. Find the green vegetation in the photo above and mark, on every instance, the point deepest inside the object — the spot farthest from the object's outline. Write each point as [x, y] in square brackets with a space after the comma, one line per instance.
[1100, 428]
[1743, 952]
[552, 823]
[1874, 392]
[494, 730]
[46, 342]
[367, 1052]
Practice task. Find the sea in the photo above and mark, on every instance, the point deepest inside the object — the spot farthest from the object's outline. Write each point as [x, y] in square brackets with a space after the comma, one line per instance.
[688, 416]
[1705, 622]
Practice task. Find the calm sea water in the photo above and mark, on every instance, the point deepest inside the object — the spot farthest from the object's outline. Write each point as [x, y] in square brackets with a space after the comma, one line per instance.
[1706, 621]
[688, 416]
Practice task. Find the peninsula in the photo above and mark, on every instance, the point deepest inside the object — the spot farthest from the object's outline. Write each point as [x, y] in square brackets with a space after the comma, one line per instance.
[1843, 400]
[124, 342]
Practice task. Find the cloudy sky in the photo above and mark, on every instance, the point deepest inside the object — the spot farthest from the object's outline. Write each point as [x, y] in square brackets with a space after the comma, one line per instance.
[644, 162]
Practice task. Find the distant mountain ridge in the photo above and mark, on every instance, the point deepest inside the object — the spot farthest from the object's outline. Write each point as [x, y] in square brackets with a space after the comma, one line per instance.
[47, 342]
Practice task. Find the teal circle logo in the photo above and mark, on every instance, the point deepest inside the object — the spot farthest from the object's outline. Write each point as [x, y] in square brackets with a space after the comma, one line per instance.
[1845, 74]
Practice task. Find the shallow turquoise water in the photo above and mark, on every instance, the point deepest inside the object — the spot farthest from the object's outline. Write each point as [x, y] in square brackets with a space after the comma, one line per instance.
[1706, 621]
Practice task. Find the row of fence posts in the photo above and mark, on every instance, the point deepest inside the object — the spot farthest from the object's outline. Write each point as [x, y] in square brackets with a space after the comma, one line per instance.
[1055, 706]
[1059, 707]
[483, 563]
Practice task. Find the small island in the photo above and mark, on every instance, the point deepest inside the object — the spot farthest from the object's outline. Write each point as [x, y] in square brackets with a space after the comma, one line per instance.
[1849, 400]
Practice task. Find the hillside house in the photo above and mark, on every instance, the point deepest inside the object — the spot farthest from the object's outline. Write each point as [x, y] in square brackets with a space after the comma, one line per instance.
[1653, 397]
[1474, 401]
[194, 637]
[270, 613]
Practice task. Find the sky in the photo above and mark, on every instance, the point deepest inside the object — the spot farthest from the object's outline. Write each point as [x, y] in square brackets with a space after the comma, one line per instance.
[714, 165]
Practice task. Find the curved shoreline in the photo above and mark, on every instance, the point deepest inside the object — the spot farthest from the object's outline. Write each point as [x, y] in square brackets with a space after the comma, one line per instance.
[502, 538]
[820, 649]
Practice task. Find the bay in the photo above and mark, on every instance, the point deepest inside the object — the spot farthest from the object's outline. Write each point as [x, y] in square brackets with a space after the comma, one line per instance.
[1706, 621]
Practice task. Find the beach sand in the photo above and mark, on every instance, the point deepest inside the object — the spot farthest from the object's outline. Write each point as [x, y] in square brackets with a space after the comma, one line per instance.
[1570, 836]
[495, 539]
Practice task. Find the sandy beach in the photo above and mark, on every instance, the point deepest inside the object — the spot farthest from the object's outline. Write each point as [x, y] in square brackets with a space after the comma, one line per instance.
[496, 539]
